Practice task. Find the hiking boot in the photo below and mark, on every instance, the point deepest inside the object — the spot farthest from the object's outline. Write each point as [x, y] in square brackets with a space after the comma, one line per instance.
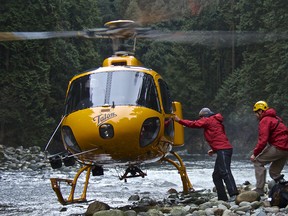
[259, 191]
[232, 198]
[280, 179]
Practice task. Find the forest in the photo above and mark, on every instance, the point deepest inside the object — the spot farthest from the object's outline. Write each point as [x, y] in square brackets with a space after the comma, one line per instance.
[227, 79]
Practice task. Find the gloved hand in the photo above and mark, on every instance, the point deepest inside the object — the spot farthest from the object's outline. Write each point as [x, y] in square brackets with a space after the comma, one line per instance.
[176, 118]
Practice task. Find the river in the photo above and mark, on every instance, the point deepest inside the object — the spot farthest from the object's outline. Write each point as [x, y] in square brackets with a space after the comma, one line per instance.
[30, 192]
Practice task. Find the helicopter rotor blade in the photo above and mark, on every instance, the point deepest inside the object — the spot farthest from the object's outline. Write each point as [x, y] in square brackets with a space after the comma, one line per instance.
[128, 30]
[16, 36]
[210, 38]
[121, 32]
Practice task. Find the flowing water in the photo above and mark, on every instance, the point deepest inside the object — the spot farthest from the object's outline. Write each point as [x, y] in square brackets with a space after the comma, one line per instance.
[30, 192]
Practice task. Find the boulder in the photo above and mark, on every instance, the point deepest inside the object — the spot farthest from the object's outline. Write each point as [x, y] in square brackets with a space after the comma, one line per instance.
[248, 196]
[96, 207]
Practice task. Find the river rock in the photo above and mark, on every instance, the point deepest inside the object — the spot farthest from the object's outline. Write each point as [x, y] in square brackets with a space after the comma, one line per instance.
[134, 197]
[112, 212]
[130, 213]
[95, 207]
[248, 196]
[273, 209]
[22, 159]
[155, 212]
[175, 204]
[178, 211]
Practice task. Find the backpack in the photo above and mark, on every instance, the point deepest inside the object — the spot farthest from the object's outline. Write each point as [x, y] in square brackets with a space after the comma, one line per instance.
[279, 194]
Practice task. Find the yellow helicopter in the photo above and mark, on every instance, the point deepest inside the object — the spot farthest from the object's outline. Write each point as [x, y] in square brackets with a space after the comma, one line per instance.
[118, 114]
[121, 113]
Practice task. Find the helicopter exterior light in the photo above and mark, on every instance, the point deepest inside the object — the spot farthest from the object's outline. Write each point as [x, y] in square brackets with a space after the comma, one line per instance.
[106, 131]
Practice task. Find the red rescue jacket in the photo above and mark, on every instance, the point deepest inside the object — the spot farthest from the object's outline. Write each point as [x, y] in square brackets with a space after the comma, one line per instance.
[271, 130]
[214, 131]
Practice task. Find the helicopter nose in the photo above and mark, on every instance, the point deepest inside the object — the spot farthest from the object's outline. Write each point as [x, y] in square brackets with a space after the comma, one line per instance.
[106, 131]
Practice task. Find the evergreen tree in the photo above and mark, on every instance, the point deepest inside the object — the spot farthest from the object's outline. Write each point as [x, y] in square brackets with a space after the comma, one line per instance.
[262, 76]
[36, 73]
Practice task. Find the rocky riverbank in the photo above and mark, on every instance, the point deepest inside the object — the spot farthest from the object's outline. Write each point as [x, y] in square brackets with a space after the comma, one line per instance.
[196, 203]
[22, 158]
[211, 207]
[201, 203]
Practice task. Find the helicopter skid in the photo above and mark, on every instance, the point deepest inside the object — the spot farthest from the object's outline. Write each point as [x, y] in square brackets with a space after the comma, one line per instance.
[187, 186]
[55, 182]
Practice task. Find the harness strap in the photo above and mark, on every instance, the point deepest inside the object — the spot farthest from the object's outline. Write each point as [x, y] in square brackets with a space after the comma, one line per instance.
[276, 125]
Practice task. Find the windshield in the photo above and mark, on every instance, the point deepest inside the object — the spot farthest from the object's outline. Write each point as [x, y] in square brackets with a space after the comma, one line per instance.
[116, 88]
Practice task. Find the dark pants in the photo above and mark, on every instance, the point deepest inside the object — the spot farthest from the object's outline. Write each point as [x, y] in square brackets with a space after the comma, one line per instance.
[222, 173]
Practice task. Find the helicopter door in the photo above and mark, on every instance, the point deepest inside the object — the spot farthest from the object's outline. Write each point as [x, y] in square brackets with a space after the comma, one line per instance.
[167, 107]
[173, 131]
[179, 129]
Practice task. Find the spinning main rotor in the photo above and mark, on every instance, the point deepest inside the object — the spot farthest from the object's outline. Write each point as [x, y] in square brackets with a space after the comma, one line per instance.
[125, 32]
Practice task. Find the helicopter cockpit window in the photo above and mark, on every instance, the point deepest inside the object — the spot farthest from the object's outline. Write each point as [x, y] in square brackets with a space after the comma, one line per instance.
[166, 97]
[116, 88]
[134, 88]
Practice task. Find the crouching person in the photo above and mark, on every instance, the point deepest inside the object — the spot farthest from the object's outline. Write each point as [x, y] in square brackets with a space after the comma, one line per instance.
[272, 146]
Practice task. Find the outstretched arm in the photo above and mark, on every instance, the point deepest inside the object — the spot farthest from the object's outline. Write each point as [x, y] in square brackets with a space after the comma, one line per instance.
[189, 123]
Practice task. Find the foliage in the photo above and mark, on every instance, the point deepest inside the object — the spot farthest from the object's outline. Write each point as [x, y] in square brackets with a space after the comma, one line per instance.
[35, 74]
[261, 76]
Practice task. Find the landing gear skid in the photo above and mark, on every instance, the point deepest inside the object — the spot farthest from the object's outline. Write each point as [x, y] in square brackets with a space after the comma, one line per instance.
[187, 186]
[70, 200]
[134, 172]
[131, 172]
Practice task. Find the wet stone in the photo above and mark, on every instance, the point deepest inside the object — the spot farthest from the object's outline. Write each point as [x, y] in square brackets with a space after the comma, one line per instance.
[202, 202]
[96, 207]
[135, 197]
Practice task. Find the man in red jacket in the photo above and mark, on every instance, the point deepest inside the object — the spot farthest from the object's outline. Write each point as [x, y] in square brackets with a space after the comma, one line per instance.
[272, 145]
[214, 134]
